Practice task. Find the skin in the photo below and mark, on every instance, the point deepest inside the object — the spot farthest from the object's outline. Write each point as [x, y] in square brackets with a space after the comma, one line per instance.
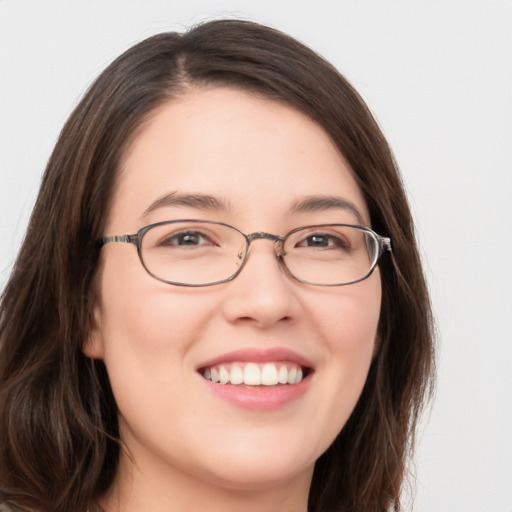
[187, 448]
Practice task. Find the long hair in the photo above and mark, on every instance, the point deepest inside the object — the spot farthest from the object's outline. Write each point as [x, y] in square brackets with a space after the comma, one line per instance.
[59, 438]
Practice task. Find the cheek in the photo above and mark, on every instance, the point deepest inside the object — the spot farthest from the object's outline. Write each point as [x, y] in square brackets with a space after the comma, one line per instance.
[347, 320]
[145, 324]
[349, 316]
[148, 329]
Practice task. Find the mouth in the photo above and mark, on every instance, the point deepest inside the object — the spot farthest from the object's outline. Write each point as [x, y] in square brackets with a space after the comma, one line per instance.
[259, 380]
[256, 374]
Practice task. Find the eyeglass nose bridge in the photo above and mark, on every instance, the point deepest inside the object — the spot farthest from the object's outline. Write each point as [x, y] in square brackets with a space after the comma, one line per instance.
[261, 235]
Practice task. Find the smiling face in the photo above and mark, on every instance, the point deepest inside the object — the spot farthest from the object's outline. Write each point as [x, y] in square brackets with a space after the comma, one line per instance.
[224, 155]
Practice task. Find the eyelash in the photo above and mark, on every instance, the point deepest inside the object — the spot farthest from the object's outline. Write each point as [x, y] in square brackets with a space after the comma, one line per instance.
[338, 241]
[169, 240]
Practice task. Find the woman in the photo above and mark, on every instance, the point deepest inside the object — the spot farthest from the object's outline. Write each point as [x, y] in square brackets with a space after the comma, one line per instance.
[262, 347]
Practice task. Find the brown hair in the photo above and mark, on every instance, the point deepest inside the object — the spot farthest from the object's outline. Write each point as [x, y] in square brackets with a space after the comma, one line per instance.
[59, 442]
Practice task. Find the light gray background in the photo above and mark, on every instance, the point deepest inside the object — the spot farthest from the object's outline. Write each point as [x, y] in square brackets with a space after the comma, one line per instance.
[438, 76]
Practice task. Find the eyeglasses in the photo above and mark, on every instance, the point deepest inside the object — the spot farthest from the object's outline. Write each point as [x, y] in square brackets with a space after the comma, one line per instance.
[205, 253]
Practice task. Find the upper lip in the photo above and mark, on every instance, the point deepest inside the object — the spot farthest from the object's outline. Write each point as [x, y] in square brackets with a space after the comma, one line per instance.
[255, 355]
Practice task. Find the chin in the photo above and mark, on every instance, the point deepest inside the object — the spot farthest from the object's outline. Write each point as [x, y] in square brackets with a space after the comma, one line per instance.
[262, 465]
[259, 475]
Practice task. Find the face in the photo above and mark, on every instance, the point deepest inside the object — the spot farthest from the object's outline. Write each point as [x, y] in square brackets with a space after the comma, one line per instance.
[258, 159]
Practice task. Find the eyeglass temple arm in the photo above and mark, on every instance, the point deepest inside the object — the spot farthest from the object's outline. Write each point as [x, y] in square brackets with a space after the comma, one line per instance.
[130, 239]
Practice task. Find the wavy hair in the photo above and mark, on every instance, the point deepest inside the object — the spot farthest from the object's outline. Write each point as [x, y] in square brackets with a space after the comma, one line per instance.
[59, 438]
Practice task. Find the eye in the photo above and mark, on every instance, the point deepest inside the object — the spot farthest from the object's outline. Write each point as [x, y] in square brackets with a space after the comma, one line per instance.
[186, 239]
[324, 240]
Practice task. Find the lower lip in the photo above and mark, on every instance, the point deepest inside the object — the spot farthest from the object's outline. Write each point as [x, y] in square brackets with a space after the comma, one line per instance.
[259, 398]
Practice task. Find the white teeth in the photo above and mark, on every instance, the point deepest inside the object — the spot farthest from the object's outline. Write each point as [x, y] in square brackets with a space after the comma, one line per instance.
[283, 375]
[236, 375]
[215, 375]
[223, 375]
[269, 375]
[253, 374]
[292, 373]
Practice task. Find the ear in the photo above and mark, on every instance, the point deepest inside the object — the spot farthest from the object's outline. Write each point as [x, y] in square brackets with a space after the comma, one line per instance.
[94, 346]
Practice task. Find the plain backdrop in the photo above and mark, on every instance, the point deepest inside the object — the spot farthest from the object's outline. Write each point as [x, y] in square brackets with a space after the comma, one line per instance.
[438, 76]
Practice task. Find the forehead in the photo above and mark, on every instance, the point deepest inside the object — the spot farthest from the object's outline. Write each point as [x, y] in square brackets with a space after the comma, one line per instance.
[257, 155]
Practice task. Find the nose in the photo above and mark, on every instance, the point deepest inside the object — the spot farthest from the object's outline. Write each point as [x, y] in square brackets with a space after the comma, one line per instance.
[262, 294]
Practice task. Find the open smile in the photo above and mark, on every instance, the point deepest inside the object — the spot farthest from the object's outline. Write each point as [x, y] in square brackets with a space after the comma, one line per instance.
[260, 380]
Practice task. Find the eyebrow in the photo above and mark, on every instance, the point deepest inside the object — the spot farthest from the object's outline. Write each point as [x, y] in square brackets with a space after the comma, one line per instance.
[324, 203]
[207, 202]
[200, 201]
